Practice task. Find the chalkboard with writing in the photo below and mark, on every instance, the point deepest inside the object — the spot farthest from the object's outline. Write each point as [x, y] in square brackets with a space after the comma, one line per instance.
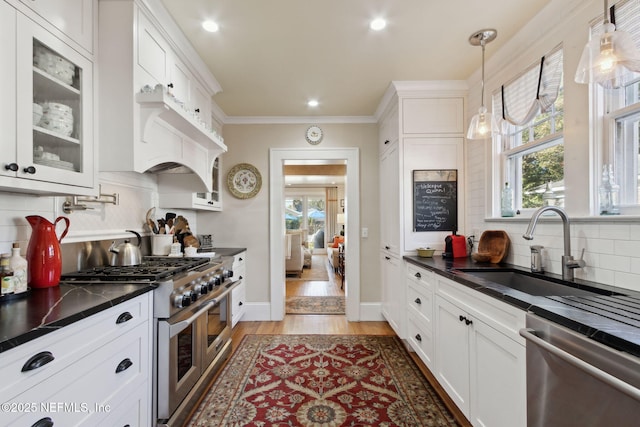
[435, 200]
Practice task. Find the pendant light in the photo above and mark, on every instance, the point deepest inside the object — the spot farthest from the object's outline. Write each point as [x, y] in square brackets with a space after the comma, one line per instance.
[483, 124]
[605, 59]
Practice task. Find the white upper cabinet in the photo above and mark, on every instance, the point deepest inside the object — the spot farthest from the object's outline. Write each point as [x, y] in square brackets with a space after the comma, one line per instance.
[155, 95]
[71, 17]
[47, 143]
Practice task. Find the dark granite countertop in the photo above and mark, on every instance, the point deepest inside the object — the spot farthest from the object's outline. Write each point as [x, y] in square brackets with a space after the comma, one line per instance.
[45, 310]
[617, 327]
[228, 251]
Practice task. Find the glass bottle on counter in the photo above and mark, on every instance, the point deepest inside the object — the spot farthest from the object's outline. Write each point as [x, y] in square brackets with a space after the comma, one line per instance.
[19, 266]
[609, 192]
[6, 274]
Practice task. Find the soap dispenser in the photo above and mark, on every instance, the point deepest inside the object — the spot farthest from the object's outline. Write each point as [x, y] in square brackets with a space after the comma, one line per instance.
[536, 259]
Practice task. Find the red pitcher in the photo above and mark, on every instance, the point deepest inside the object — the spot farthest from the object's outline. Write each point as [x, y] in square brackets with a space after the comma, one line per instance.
[43, 253]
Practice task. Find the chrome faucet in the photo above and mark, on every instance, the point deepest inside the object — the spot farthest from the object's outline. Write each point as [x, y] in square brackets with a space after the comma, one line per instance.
[568, 263]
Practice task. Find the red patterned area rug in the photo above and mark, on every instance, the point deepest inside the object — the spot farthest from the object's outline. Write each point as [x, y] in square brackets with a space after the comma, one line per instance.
[321, 380]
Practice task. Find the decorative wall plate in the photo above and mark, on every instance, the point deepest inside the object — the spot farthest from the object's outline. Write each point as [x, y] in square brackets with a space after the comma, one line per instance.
[244, 181]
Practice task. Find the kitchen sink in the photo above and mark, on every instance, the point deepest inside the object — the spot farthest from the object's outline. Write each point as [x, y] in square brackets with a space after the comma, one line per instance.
[532, 285]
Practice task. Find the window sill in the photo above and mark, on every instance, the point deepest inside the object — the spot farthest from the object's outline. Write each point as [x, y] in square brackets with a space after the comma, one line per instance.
[578, 219]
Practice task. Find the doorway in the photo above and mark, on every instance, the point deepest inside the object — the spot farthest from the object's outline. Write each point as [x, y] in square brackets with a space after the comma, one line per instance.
[277, 158]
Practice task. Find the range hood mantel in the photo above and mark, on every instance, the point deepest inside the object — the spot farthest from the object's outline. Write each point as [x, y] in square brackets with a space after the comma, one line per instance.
[195, 148]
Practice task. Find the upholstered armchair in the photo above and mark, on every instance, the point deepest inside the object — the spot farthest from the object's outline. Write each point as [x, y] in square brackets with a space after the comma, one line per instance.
[294, 254]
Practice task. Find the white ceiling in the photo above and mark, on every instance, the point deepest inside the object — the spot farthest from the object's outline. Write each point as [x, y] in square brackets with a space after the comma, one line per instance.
[271, 56]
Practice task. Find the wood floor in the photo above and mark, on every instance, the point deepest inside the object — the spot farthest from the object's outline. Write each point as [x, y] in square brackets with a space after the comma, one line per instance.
[332, 325]
[319, 288]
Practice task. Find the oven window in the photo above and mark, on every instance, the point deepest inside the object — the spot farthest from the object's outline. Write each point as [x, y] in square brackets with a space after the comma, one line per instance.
[216, 321]
[185, 351]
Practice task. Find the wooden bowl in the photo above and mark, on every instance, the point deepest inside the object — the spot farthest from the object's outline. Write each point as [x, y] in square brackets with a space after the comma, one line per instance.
[481, 256]
[495, 243]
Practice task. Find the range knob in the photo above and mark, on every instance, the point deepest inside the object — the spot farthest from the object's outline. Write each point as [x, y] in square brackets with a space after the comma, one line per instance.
[218, 279]
[194, 296]
[201, 288]
[183, 300]
[227, 273]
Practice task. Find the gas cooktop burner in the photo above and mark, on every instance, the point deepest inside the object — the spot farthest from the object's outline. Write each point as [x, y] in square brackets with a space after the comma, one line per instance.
[151, 269]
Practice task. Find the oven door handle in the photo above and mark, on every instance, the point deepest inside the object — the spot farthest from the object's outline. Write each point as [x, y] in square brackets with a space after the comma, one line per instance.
[176, 328]
[224, 293]
[605, 377]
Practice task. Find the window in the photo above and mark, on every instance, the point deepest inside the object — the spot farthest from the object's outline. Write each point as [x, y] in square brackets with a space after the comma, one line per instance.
[530, 147]
[620, 116]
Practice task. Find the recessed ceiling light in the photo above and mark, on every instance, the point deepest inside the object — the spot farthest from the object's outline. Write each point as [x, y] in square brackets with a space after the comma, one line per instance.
[312, 103]
[378, 24]
[210, 26]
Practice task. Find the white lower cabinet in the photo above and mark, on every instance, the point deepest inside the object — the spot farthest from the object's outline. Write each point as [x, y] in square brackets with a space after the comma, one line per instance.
[420, 288]
[393, 299]
[238, 295]
[86, 373]
[479, 356]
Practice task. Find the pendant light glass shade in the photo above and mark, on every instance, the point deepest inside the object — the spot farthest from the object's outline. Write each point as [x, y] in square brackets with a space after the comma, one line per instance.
[483, 125]
[606, 59]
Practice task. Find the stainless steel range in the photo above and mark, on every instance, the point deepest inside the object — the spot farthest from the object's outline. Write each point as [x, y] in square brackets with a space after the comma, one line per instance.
[192, 326]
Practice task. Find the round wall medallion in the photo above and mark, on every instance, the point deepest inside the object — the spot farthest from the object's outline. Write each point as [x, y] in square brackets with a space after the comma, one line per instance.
[244, 181]
[314, 135]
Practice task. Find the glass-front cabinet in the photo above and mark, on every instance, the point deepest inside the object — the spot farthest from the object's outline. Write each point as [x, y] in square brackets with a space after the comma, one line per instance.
[173, 196]
[211, 201]
[52, 147]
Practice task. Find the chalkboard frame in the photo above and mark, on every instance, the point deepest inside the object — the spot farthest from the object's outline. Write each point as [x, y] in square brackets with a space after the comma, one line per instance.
[422, 178]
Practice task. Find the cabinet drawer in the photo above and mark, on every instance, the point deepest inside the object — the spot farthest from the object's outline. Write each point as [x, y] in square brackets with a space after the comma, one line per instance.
[69, 344]
[420, 338]
[420, 302]
[133, 410]
[81, 394]
[497, 314]
[422, 277]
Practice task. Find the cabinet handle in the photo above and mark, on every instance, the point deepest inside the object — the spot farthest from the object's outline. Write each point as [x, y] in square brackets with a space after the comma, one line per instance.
[418, 275]
[418, 301]
[124, 365]
[418, 338]
[240, 303]
[387, 258]
[465, 320]
[387, 247]
[240, 278]
[11, 167]
[240, 259]
[29, 169]
[44, 422]
[124, 317]
[170, 85]
[386, 142]
[38, 361]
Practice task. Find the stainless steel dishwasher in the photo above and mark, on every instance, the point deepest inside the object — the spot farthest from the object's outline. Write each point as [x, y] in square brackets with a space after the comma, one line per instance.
[575, 381]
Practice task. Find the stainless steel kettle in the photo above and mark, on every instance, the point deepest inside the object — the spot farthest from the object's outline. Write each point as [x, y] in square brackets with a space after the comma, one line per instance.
[126, 253]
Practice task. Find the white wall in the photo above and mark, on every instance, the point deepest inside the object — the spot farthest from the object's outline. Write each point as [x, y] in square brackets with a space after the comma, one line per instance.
[612, 245]
[245, 223]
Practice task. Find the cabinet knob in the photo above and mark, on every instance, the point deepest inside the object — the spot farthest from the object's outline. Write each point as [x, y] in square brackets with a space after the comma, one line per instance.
[38, 361]
[44, 422]
[387, 258]
[418, 338]
[124, 365]
[11, 167]
[240, 303]
[418, 301]
[386, 142]
[170, 85]
[418, 275]
[468, 322]
[461, 318]
[124, 317]
[29, 169]
[197, 110]
[387, 247]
